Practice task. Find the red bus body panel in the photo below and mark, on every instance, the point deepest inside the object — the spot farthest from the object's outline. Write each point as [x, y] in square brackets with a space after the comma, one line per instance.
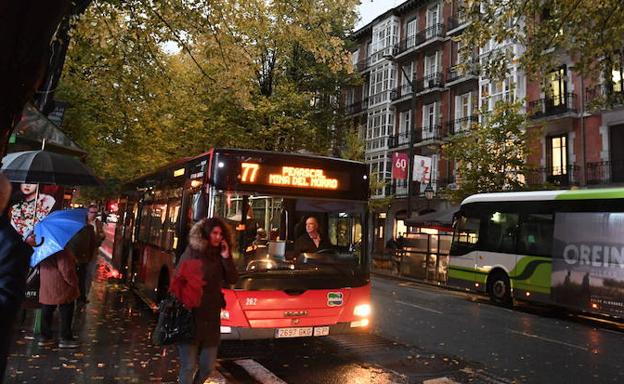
[269, 310]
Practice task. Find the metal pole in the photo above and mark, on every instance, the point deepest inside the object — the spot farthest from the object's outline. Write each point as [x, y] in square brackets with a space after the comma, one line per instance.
[410, 168]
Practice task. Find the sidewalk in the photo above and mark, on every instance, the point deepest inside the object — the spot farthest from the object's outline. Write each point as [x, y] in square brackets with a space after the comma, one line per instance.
[114, 331]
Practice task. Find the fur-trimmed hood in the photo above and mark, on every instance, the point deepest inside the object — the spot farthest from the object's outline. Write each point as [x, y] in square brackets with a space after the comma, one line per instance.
[196, 240]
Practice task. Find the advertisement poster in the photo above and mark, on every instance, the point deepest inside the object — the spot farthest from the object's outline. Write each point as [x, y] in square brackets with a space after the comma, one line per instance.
[588, 261]
[23, 209]
[399, 166]
[422, 169]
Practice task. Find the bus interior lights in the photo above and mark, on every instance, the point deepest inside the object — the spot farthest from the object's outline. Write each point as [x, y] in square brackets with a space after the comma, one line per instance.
[221, 164]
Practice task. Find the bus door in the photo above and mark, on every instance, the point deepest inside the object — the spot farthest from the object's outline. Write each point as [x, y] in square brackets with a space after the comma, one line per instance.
[535, 242]
[498, 244]
[464, 250]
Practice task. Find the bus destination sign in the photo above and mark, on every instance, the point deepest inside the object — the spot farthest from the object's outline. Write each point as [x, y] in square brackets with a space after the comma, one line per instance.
[288, 176]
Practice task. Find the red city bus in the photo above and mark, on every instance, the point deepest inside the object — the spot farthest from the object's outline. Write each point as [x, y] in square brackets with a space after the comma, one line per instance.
[266, 198]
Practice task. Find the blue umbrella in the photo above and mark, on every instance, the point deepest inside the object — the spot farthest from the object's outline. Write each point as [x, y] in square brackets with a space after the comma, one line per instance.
[54, 232]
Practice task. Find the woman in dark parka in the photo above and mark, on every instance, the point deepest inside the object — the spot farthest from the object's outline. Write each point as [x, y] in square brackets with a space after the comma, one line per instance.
[210, 241]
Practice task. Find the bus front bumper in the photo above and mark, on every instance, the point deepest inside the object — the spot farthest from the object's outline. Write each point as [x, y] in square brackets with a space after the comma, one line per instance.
[242, 333]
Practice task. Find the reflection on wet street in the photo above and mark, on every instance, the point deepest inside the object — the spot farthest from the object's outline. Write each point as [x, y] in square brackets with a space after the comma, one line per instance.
[114, 331]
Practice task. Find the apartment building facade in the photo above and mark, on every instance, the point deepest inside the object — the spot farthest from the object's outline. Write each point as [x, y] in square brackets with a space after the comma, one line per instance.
[415, 91]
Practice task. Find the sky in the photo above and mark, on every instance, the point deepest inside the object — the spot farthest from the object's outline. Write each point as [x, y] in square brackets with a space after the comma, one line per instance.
[369, 9]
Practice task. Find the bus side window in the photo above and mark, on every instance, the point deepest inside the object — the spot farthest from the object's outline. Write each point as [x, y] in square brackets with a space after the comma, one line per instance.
[501, 233]
[536, 235]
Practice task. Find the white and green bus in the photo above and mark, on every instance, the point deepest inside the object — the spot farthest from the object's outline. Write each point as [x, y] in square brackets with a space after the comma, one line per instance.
[558, 247]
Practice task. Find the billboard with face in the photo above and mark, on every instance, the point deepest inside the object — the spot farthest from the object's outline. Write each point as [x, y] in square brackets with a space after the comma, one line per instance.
[24, 212]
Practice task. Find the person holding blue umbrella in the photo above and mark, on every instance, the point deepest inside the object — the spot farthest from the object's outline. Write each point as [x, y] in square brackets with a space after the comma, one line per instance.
[57, 269]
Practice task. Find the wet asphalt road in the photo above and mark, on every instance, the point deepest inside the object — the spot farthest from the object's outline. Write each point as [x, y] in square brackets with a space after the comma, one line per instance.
[420, 334]
[527, 344]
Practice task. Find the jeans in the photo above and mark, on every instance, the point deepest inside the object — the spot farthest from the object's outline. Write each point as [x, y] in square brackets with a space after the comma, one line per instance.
[189, 353]
[67, 314]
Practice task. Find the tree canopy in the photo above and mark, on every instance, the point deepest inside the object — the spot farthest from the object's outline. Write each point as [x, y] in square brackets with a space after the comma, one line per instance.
[491, 156]
[590, 32]
[149, 82]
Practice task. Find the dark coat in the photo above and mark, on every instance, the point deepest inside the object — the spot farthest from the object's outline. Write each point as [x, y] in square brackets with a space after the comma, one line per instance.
[83, 244]
[217, 273]
[58, 279]
[305, 244]
[14, 261]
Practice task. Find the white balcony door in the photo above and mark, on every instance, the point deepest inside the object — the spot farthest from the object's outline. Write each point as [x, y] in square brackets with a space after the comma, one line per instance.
[463, 109]
[431, 116]
[410, 32]
[433, 18]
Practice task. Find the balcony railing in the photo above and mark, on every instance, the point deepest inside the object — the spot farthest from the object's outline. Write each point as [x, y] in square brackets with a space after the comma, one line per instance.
[432, 133]
[547, 106]
[605, 172]
[400, 92]
[460, 19]
[558, 176]
[402, 138]
[462, 124]
[456, 73]
[429, 82]
[357, 106]
[420, 38]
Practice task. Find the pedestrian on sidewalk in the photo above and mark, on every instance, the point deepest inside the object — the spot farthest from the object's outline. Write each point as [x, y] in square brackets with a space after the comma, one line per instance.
[98, 229]
[210, 240]
[82, 246]
[14, 260]
[58, 287]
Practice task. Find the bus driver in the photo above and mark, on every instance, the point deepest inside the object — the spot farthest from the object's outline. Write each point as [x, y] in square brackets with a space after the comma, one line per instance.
[311, 241]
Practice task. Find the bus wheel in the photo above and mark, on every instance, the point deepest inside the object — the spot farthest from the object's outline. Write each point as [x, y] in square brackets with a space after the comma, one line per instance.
[499, 288]
[163, 285]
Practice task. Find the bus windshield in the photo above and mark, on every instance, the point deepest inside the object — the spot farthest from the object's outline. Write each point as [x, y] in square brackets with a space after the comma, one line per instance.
[271, 236]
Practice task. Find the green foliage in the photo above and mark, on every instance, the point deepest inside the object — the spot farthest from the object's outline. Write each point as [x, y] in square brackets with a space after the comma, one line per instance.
[490, 157]
[251, 74]
[590, 32]
[354, 147]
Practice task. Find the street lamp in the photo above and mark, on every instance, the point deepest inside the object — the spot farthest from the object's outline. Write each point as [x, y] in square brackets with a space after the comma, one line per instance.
[412, 131]
[429, 192]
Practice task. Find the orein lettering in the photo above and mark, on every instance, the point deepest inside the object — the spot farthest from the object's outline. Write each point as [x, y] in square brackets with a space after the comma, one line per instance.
[593, 255]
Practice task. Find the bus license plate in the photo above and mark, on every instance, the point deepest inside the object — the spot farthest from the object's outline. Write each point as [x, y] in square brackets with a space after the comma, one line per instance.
[293, 332]
[321, 331]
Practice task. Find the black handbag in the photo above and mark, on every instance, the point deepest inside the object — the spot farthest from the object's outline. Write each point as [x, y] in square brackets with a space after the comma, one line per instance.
[33, 283]
[175, 323]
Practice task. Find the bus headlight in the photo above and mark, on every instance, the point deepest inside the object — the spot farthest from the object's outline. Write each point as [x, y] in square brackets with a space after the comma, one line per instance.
[225, 315]
[362, 310]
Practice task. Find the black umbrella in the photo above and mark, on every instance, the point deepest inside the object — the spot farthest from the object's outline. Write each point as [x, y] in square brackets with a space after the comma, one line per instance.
[47, 168]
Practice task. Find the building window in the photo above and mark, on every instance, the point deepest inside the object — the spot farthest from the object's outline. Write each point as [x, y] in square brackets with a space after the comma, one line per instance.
[495, 91]
[404, 127]
[410, 32]
[381, 81]
[555, 89]
[385, 36]
[433, 18]
[557, 155]
[405, 84]
[465, 107]
[431, 118]
[616, 77]
[432, 64]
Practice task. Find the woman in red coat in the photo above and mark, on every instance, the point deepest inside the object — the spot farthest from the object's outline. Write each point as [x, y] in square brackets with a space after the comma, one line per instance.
[58, 287]
[209, 241]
